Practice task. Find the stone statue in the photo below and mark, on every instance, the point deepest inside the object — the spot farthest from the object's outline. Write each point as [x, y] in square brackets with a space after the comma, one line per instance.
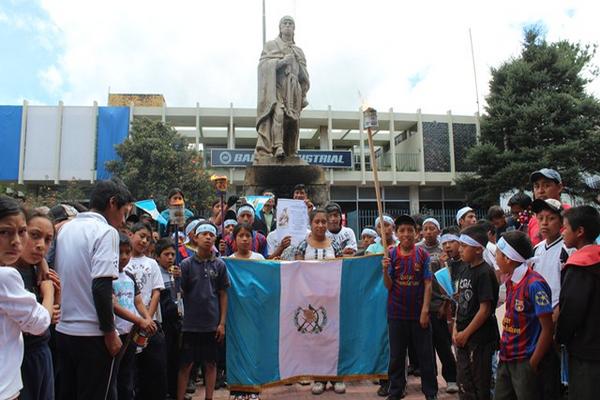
[282, 86]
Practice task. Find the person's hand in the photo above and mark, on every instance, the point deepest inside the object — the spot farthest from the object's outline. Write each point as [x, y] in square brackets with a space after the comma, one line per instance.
[443, 258]
[349, 251]
[243, 200]
[424, 319]
[55, 317]
[285, 242]
[112, 342]
[232, 200]
[534, 363]
[385, 263]
[148, 326]
[220, 333]
[309, 204]
[222, 247]
[175, 271]
[460, 339]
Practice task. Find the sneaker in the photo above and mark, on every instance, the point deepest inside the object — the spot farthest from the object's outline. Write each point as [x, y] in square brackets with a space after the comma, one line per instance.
[339, 387]
[383, 391]
[318, 388]
[452, 387]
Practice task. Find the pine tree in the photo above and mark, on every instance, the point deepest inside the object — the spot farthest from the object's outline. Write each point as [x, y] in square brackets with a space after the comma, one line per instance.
[538, 114]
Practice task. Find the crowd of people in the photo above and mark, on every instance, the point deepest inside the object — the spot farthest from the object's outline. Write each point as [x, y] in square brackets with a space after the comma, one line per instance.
[103, 303]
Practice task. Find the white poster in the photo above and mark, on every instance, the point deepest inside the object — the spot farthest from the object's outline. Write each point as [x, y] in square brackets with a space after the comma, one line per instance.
[292, 220]
[78, 143]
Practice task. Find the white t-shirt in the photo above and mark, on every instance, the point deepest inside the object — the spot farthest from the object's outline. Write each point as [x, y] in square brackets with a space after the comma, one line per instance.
[19, 311]
[345, 238]
[124, 291]
[253, 256]
[86, 248]
[148, 277]
[551, 258]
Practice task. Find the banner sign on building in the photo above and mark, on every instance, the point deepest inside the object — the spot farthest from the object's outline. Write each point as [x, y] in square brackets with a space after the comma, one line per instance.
[244, 157]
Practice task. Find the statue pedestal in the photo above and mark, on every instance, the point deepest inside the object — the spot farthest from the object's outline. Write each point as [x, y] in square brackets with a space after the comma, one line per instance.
[281, 177]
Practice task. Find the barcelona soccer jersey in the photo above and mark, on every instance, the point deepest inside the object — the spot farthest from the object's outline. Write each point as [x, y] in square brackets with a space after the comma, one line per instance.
[526, 300]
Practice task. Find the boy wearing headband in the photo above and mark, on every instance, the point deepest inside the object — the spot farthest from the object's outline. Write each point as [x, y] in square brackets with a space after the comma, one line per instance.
[204, 283]
[578, 324]
[527, 325]
[407, 276]
[475, 332]
[367, 238]
[388, 231]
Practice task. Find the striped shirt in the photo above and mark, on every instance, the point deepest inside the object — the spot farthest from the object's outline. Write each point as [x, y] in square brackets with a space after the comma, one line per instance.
[408, 274]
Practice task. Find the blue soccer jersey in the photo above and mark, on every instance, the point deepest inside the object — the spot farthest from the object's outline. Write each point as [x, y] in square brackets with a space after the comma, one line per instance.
[525, 302]
[408, 274]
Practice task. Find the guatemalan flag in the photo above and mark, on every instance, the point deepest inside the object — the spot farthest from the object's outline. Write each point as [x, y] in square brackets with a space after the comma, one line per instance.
[293, 320]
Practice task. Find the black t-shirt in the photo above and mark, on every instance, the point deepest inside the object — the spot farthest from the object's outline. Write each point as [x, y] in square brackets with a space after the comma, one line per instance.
[29, 276]
[477, 285]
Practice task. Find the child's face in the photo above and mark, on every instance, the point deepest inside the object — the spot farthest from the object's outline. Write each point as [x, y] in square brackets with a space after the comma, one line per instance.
[229, 229]
[388, 229]
[506, 264]
[515, 210]
[430, 232]
[205, 241]
[13, 235]
[334, 221]
[367, 240]
[470, 254]
[406, 235]
[140, 241]
[570, 236]
[451, 248]
[216, 209]
[246, 218]
[124, 256]
[41, 233]
[499, 222]
[468, 220]
[550, 224]
[243, 240]
[166, 259]
[150, 249]
[177, 198]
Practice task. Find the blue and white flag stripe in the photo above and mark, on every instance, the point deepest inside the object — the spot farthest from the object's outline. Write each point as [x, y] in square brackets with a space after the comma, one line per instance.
[305, 319]
[150, 207]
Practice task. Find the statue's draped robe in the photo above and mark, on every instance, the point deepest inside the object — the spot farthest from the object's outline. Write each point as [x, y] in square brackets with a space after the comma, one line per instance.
[281, 97]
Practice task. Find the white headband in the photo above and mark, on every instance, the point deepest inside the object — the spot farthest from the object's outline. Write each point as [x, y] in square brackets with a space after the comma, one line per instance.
[448, 237]
[511, 253]
[386, 218]
[369, 232]
[468, 240]
[206, 228]
[462, 212]
[230, 222]
[433, 221]
[245, 208]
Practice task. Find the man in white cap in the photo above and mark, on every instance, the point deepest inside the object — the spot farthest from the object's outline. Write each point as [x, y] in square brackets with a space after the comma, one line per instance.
[466, 217]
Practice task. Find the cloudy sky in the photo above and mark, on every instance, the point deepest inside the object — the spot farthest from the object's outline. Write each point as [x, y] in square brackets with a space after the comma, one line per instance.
[399, 54]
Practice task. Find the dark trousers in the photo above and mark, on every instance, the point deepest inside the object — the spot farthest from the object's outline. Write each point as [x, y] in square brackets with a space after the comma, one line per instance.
[584, 376]
[515, 380]
[86, 368]
[442, 344]
[172, 344]
[401, 334]
[151, 366]
[126, 370]
[474, 362]
[548, 376]
[37, 373]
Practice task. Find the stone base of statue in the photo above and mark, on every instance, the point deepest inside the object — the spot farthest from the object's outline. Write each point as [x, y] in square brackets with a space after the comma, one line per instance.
[281, 175]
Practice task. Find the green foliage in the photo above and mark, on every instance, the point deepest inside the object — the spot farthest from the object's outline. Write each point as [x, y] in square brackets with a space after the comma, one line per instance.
[155, 159]
[538, 115]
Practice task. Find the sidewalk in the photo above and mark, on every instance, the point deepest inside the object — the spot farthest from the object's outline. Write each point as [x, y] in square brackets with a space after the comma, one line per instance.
[354, 390]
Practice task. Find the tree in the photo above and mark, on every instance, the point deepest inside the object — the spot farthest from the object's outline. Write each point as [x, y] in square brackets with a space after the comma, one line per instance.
[155, 159]
[538, 114]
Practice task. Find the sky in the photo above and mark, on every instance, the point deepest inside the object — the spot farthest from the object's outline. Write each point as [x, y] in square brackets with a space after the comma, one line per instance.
[389, 54]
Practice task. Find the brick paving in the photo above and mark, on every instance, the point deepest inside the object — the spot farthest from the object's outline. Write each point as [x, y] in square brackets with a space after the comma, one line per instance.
[354, 390]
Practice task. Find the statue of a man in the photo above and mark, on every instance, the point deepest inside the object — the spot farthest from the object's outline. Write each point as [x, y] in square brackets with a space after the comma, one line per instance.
[282, 86]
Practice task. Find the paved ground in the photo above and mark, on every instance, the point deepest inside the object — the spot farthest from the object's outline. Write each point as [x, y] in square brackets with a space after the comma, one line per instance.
[354, 390]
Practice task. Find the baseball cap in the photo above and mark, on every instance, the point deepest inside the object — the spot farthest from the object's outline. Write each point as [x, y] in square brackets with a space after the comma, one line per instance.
[405, 219]
[548, 204]
[548, 173]
[62, 212]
